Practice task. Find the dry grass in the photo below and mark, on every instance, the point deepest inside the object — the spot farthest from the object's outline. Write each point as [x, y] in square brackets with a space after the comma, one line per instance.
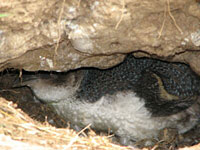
[19, 131]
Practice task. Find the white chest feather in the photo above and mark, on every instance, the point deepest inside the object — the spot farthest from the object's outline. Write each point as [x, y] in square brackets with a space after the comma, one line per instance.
[123, 113]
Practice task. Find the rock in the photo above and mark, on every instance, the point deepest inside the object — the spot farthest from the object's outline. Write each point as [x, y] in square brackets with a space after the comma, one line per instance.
[64, 35]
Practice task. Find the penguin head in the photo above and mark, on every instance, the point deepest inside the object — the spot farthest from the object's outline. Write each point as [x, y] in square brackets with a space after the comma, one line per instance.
[53, 87]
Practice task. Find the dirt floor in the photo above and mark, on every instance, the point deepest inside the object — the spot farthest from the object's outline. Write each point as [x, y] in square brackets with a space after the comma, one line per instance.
[23, 99]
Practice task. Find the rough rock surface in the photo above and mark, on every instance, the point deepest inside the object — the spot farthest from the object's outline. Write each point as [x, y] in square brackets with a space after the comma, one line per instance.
[67, 34]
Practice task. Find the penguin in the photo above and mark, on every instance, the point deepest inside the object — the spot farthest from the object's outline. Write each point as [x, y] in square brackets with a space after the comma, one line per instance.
[134, 100]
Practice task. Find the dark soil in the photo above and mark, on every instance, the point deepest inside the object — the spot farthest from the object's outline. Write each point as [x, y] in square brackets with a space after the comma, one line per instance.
[26, 101]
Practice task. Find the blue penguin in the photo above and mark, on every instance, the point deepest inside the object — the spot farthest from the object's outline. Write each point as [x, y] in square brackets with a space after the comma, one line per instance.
[134, 99]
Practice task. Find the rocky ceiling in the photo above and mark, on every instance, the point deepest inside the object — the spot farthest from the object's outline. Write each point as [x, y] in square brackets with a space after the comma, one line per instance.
[59, 35]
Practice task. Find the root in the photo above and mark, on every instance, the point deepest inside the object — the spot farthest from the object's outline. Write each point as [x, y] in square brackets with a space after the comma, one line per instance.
[122, 15]
[59, 29]
[174, 20]
[167, 9]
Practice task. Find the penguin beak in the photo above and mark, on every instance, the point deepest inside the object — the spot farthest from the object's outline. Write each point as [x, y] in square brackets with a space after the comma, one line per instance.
[30, 77]
[24, 80]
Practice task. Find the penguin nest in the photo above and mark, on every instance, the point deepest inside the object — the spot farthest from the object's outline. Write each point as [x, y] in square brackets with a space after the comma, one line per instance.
[19, 131]
[24, 125]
